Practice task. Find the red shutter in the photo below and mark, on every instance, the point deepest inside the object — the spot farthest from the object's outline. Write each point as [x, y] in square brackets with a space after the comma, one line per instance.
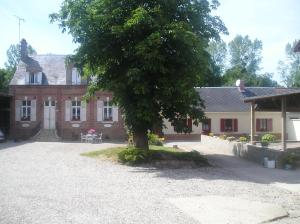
[257, 124]
[190, 123]
[209, 125]
[270, 124]
[235, 122]
[222, 125]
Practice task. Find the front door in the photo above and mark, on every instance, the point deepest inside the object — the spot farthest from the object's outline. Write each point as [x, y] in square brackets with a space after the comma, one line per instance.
[49, 114]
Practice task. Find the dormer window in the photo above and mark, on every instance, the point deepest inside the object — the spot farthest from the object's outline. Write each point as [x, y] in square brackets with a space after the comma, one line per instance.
[76, 78]
[34, 78]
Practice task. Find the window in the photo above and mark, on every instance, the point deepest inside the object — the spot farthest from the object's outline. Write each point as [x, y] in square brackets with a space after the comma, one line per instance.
[264, 125]
[76, 110]
[229, 125]
[206, 126]
[26, 110]
[185, 126]
[33, 78]
[76, 78]
[107, 111]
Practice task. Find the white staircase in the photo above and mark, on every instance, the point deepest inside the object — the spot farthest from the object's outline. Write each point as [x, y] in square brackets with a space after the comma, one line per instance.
[45, 135]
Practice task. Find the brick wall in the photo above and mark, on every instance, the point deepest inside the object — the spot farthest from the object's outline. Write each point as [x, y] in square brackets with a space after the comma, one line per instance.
[66, 129]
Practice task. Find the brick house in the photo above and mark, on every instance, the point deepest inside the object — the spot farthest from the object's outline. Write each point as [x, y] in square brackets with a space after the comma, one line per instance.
[47, 93]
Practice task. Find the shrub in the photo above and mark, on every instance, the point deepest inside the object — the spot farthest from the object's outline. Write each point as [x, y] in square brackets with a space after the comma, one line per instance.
[231, 138]
[243, 139]
[154, 139]
[211, 134]
[268, 138]
[289, 158]
[133, 156]
[222, 137]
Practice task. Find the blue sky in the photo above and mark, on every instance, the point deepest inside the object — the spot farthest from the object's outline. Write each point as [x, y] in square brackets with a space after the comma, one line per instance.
[275, 22]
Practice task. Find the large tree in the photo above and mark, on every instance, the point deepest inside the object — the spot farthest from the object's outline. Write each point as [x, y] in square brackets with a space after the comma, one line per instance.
[289, 69]
[150, 54]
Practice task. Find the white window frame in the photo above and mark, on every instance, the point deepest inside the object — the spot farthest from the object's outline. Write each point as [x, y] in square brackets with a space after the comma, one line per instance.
[107, 110]
[77, 108]
[27, 115]
[76, 78]
[33, 78]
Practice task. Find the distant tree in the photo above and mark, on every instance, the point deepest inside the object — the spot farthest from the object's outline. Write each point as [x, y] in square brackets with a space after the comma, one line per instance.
[150, 54]
[14, 56]
[4, 79]
[245, 58]
[245, 53]
[289, 69]
[218, 53]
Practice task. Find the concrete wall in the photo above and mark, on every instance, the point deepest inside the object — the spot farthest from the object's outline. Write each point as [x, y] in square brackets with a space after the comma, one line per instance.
[246, 151]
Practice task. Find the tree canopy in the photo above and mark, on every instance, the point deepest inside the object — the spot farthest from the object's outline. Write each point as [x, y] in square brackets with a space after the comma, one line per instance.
[244, 57]
[289, 69]
[150, 54]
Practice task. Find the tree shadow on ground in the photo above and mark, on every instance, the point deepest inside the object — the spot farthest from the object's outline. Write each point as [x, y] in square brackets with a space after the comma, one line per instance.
[226, 167]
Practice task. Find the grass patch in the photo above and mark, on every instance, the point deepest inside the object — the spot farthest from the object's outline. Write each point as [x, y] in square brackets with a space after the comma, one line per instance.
[134, 156]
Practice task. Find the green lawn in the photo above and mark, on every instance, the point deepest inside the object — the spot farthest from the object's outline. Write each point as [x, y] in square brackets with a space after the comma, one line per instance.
[156, 153]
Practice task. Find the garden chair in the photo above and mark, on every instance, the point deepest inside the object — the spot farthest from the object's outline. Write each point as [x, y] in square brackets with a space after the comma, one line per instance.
[83, 137]
[99, 138]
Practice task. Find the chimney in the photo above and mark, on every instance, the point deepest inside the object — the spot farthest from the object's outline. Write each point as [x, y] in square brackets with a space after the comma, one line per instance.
[24, 53]
[241, 85]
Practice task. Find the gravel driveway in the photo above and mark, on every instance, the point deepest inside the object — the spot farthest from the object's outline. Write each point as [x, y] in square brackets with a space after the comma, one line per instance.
[52, 183]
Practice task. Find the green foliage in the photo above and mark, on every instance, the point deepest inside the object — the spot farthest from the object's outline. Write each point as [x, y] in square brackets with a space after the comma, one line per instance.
[154, 139]
[245, 59]
[14, 56]
[290, 158]
[150, 54]
[223, 137]
[289, 69]
[5, 77]
[243, 139]
[211, 134]
[133, 156]
[268, 138]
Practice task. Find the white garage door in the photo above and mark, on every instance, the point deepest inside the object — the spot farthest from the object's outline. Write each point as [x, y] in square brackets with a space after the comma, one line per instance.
[293, 127]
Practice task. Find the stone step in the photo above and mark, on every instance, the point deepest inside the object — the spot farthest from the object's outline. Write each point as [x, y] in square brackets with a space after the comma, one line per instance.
[45, 135]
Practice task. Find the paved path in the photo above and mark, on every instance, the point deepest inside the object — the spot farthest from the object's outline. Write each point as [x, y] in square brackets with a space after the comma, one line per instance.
[49, 183]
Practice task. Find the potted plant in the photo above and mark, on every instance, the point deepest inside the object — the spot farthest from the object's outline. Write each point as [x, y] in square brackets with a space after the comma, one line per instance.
[267, 139]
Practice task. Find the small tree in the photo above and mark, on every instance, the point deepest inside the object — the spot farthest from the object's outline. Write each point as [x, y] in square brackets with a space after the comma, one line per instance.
[150, 54]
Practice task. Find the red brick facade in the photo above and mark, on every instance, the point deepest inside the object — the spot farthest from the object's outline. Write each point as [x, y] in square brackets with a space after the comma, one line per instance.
[65, 129]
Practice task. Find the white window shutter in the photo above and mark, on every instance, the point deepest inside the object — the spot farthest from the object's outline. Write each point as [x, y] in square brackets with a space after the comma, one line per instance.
[27, 78]
[78, 77]
[33, 110]
[83, 111]
[39, 77]
[115, 113]
[67, 110]
[99, 110]
[73, 76]
[18, 110]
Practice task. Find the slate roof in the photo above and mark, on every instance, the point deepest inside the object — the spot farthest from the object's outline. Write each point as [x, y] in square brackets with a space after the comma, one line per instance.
[52, 66]
[230, 99]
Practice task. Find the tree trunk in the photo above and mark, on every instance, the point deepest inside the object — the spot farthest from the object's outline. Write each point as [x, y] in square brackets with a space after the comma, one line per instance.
[140, 139]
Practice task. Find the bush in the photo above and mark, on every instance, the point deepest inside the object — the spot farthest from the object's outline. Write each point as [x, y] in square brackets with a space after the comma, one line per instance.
[268, 138]
[243, 139]
[154, 139]
[133, 156]
[211, 134]
[223, 137]
[289, 158]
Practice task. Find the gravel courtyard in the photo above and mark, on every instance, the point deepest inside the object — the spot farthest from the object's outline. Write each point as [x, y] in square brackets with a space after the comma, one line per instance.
[52, 183]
